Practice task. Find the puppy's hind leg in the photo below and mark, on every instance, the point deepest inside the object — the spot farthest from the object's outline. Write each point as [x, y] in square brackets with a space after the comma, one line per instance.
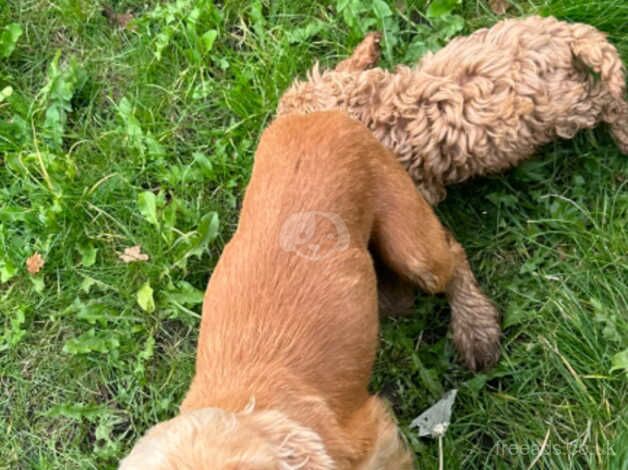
[364, 56]
[411, 241]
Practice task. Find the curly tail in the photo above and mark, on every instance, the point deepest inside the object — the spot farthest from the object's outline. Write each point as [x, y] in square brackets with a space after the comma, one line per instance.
[593, 49]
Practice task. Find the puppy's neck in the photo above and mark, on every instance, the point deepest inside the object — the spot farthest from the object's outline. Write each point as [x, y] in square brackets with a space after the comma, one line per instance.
[279, 392]
[269, 386]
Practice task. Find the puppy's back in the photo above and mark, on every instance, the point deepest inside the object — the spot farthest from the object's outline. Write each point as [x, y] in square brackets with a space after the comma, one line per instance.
[294, 290]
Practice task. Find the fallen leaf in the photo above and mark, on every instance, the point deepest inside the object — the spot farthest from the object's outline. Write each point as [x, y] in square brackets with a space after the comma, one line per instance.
[499, 7]
[34, 263]
[133, 254]
[435, 420]
[117, 19]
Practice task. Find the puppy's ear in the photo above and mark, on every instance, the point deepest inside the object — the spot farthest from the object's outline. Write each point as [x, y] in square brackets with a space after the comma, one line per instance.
[296, 446]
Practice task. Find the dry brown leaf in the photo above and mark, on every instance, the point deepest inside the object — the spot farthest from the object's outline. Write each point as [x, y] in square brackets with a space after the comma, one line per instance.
[34, 263]
[133, 254]
[499, 7]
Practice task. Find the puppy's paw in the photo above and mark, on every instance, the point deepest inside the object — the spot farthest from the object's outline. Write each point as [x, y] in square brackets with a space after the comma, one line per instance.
[476, 332]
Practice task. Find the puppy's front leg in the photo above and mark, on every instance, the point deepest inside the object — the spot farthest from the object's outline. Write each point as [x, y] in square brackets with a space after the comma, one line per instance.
[411, 241]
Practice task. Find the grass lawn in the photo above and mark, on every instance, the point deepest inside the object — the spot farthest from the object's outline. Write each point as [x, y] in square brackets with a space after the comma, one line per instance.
[113, 136]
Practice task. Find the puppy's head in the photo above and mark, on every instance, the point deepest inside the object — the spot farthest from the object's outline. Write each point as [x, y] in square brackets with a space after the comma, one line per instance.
[215, 439]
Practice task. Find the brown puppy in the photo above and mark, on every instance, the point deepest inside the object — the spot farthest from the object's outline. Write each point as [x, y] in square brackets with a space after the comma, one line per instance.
[290, 321]
[481, 104]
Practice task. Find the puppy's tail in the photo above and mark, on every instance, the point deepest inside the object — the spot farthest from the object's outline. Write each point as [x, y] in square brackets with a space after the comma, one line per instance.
[592, 48]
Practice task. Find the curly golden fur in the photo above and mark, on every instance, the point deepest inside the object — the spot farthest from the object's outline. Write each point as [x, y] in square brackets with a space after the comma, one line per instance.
[290, 315]
[481, 104]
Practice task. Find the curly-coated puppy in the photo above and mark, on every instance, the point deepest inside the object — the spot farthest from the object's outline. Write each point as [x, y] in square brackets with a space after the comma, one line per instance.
[290, 320]
[481, 104]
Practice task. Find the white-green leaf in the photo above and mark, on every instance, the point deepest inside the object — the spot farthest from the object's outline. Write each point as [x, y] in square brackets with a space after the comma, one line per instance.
[208, 39]
[147, 205]
[88, 254]
[441, 7]
[8, 39]
[7, 270]
[5, 93]
[435, 420]
[145, 298]
[620, 361]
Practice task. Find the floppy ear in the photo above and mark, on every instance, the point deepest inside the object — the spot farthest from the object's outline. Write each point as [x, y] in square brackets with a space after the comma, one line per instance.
[296, 446]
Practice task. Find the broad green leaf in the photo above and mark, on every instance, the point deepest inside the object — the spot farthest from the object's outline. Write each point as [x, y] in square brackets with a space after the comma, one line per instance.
[448, 26]
[8, 39]
[204, 164]
[93, 312]
[92, 342]
[620, 361]
[381, 9]
[304, 33]
[155, 149]
[206, 232]
[38, 283]
[208, 39]
[170, 220]
[147, 205]
[441, 7]
[88, 254]
[185, 294]
[61, 83]
[133, 129]
[15, 332]
[7, 270]
[87, 284]
[145, 298]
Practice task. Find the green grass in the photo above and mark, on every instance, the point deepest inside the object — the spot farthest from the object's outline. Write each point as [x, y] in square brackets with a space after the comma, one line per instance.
[115, 137]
